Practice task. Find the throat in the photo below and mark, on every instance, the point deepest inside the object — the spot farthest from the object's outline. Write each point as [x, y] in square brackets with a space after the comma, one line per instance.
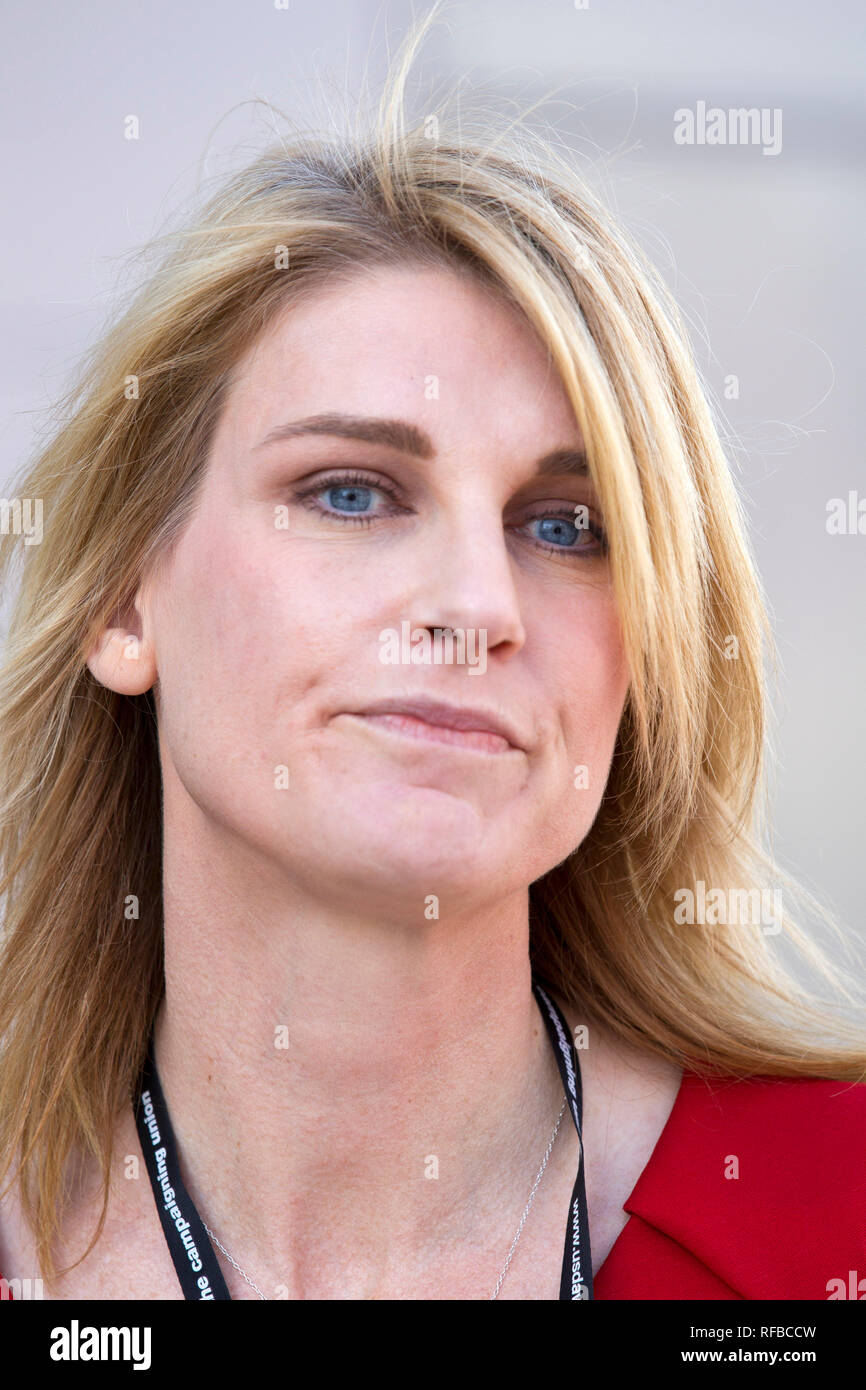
[400, 1179]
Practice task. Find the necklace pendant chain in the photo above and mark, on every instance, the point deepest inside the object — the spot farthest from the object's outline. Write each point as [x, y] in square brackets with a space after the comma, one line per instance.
[243, 1272]
[549, 1150]
[159, 1147]
[508, 1258]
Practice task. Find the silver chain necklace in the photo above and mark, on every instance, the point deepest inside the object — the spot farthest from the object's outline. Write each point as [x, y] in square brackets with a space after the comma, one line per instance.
[504, 1270]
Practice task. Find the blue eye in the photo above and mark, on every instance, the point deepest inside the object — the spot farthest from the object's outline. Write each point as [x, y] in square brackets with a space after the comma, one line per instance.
[557, 532]
[356, 499]
[349, 498]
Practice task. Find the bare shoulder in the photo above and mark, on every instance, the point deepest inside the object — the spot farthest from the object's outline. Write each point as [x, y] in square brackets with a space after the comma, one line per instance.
[129, 1260]
[18, 1265]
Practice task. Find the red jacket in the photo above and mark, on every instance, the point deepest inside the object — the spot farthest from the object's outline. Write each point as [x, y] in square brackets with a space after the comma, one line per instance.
[790, 1225]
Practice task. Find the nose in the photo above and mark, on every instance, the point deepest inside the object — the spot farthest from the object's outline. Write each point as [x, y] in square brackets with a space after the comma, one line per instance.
[465, 579]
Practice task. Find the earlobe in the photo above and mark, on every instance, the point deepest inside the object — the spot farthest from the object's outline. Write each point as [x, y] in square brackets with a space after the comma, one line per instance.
[122, 661]
[121, 654]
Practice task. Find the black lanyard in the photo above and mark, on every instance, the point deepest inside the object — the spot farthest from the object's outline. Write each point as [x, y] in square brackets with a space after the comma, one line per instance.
[576, 1279]
[188, 1242]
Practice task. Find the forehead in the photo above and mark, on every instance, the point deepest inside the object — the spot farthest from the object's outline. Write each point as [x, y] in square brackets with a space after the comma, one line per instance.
[425, 343]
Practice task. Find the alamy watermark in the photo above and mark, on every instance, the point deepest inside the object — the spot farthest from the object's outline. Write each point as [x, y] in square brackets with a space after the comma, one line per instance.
[21, 1289]
[17, 517]
[731, 907]
[77, 1343]
[846, 517]
[741, 125]
[438, 646]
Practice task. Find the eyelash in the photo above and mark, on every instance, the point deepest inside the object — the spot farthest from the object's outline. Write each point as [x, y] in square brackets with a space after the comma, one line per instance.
[306, 498]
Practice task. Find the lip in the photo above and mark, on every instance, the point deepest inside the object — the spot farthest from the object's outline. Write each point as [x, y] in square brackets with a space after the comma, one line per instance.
[439, 714]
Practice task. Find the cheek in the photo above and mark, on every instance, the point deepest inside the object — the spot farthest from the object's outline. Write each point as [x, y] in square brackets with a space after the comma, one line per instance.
[218, 631]
[586, 678]
[246, 625]
[591, 678]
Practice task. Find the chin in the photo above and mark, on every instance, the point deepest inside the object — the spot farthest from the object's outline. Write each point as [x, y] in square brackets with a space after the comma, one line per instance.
[403, 847]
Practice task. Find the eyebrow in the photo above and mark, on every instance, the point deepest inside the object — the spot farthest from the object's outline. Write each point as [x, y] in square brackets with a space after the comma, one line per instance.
[409, 439]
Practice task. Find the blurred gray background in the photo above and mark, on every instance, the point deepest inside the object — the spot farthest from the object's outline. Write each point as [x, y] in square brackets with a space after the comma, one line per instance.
[764, 252]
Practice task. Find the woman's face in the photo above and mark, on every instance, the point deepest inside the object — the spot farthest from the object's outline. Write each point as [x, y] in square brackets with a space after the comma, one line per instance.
[266, 627]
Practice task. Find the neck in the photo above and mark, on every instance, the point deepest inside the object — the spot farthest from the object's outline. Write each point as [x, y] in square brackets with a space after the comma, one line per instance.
[336, 1082]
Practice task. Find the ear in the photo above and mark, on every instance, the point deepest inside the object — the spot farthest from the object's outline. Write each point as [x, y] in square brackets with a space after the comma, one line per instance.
[121, 656]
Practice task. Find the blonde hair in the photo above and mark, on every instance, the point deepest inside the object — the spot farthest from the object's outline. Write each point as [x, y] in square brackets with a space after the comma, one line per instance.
[80, 796]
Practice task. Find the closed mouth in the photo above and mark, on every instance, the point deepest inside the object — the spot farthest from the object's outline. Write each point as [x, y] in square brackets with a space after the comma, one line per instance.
[452, 725]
